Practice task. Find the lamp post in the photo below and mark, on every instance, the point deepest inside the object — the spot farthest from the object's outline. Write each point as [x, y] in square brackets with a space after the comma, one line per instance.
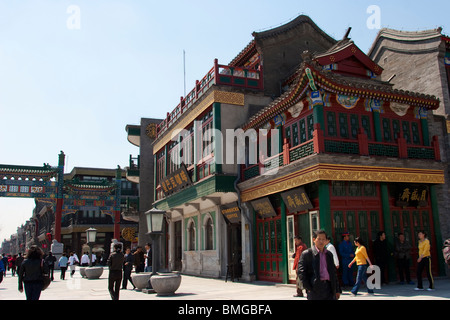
[155, 219]
[91, 235]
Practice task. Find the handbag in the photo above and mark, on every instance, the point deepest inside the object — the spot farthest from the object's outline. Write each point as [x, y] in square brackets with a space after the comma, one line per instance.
[45, 277]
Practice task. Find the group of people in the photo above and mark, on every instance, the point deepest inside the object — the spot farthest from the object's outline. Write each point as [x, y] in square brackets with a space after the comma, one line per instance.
[317, 267]
[121, 265]
[10, 263]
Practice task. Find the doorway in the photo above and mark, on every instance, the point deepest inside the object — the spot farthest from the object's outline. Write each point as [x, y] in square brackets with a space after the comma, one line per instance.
[178, 246]
[234, 254]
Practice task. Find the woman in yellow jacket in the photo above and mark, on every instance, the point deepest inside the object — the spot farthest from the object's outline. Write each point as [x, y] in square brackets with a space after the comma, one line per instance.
[361, 259]
[424, 261]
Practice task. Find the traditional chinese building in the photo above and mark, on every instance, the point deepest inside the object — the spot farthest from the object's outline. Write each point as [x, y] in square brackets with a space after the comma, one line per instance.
[209, 234]
[357, 155]
[420, 61]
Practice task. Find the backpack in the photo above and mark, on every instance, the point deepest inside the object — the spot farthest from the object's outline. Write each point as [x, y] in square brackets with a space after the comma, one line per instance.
[446, 251]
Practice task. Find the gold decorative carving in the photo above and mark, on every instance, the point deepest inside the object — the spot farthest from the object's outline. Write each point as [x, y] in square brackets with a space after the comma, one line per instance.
[150, 130]
[335, 172]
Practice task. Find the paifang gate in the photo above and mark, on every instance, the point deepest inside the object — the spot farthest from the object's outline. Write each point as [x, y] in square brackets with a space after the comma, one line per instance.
[47, 184]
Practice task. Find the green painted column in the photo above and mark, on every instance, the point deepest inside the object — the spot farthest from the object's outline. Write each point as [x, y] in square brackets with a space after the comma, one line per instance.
[425, 133]
[166, 160]
[319, 116]
[196, 148]
[377, 126]
[217, 125]
[437, 229]
[284, 259]
[325, 207]
[255, 244]
[388, 229]
[155, 183]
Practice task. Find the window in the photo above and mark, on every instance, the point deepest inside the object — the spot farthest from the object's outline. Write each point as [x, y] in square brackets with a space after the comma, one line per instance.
[191, 236]
[209, 234]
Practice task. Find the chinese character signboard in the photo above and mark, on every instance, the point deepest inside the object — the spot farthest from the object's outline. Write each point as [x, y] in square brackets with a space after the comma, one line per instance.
[264, 208]
[177, 180]
[231, 212]
[296, 200]
[410, 195]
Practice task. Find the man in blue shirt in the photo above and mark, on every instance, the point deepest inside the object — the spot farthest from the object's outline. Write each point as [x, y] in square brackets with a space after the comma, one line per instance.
[347, 254]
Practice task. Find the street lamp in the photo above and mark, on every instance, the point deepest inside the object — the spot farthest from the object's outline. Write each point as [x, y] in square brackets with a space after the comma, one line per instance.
[91, 235]
[155, 220]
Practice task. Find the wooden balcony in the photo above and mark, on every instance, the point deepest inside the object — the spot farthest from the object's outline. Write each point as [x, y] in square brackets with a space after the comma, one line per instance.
[217, 75]
[361, 146]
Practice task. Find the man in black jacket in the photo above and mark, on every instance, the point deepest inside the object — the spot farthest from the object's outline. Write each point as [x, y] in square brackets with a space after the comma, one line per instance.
[317, 272]
[115, 263]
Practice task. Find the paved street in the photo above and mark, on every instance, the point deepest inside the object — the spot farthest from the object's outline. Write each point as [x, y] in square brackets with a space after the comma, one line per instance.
[196, 288]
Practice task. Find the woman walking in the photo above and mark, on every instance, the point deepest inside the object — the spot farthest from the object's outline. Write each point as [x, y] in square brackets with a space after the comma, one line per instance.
[31, 273]
[361, 259]
[424, 261]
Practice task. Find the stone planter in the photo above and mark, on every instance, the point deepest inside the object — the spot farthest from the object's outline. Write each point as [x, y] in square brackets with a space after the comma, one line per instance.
[140, 280]
[82, 272]
[165, 284]
[93, 272]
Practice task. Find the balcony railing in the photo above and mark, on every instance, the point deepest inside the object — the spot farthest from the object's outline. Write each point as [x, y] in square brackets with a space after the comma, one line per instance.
[219, 75]
[361, 146]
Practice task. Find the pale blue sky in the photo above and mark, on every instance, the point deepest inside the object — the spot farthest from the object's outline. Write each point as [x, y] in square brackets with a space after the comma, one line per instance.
[76, 90]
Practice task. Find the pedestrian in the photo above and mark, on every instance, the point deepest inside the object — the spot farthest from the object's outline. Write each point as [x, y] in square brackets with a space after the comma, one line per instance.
[139, 262]
[329, 246]
[381, 253]
[361, 259]
[19, 261]
[63, 261]
[127, 268]
[403, 255]
[85, 260]
[424, 261]
[73, 261]
[148, 258]
[5, 262]
[347, 254]
[50, 261]
[115, 263]
[2, 270]
[12, 264]
[317, 272]
[299, 248]
[31, 273]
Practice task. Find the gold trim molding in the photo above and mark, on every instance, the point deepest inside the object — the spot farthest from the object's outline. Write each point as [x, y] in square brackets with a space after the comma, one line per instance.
[335, 172]
[215, 96]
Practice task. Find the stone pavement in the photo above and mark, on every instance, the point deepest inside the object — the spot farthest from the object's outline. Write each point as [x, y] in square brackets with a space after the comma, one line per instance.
[197, 288]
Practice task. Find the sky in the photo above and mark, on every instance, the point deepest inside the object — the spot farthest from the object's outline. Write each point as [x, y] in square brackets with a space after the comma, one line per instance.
[74, 73]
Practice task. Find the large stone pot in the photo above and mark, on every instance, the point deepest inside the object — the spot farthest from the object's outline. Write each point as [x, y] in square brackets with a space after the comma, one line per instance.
[140, 280]
[93, 272]
[82, 271]
[165, 284]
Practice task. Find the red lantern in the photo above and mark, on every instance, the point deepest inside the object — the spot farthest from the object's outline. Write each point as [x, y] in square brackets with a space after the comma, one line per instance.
[49, 236]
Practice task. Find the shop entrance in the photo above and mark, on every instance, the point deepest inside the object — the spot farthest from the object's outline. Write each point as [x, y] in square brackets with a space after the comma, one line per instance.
[234, 254]
[178, 246]
[269, 249]
[410, 222]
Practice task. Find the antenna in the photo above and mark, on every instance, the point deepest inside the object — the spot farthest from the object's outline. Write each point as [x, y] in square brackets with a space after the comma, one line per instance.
[184, 71]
